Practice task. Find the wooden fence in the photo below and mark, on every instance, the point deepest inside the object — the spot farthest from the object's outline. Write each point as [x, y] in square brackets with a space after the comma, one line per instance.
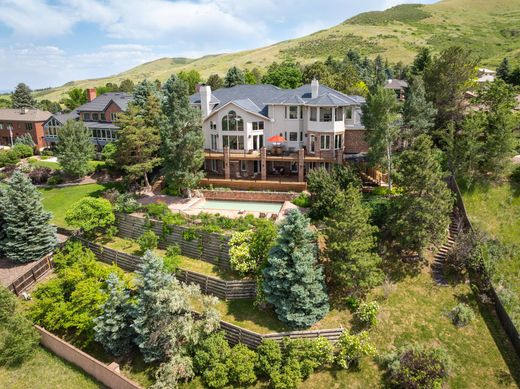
[507, 324]
[31, 276]
[206, 246]
[227, 290]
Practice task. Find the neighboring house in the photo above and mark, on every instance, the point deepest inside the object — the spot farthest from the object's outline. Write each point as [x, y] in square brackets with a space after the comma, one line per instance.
[20, 121]
[398, 86]
[98, 115]
[319, 126]
[486, 75]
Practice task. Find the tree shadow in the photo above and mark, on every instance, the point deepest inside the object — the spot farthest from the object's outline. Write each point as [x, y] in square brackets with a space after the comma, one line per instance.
[398, 267]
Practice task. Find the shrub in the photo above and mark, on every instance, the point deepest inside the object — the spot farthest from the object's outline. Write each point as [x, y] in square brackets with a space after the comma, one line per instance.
[462, 315]
[44, 157]
[302, 200]
[172, 259]
[46, 153]
[25, 139]
[239, 252]
[91, 215]
[55, 180]
[351, 348]
[40, 175]
[190, 234]
[241, 365]
[311, 354]
[157, 210]
[367, 313]
[8, 157]
[126, 203]
[32, 160]
[23, 151]
[288, 377]
[417, 367]
[515, 175]
[210, 360]
[269, 357]
[147, 241]
[7, 304]
[352, 303]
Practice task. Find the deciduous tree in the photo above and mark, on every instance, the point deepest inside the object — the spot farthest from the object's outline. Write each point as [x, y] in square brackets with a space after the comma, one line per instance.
[191, 78]
[287, 75]
[75, 98]
[215, 82]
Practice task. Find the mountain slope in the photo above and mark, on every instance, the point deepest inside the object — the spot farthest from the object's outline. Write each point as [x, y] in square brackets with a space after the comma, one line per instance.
[489, 27]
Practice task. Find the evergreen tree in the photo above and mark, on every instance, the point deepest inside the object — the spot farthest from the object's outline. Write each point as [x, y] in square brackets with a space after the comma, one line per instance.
[420, 216]
[380, 75]
[293, 281]
[51, 106]
[234, 76]
[215, 82]
[181, 137]
[75, 98]
[127, 86]
[353, 265]
[74, 149]
[381, 118]
[422, 60]
[287, 75]
[22, 97]
[27, 234]
[142, 92]
[504, 70]
[25, 139]
[113, 328]
[418, 113]
[2, 224]
[316, 70]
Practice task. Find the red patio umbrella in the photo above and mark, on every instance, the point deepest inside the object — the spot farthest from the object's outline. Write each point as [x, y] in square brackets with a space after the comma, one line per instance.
[276, 139]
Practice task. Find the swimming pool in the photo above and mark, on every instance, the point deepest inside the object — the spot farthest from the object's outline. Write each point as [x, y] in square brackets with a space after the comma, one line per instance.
[252, 206]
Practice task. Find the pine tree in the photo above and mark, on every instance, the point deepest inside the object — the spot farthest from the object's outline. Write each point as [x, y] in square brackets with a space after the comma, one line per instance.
[422, 60]
[181, 137]
[504, 70]
[25, 139]
[353, 264]
[22, 97]
[142, 91]
[418, 113]
[113, 328]
[381, 118]
[215, 82]
[420, 216]
[234, 76]
[2, 223]
[28, 236]
[293, 281]
[74, 149]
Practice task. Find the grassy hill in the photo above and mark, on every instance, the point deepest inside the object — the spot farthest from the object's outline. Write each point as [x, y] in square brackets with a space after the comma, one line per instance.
[490, 28]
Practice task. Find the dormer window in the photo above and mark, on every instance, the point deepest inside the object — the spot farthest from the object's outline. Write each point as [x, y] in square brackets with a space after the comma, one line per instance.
[86, 116]
[232, 122]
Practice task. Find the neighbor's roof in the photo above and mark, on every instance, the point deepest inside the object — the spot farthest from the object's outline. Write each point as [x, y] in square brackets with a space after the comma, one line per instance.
[101, 102]
[396, 84]
[19, 115]
[64, 117]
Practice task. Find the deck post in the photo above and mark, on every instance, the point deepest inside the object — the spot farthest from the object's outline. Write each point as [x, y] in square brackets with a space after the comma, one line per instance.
[263, 163]
[301, 165]
[227, 173]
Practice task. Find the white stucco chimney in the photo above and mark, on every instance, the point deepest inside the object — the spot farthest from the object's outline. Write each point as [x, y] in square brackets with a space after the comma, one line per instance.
[205, 97]
[315, 88]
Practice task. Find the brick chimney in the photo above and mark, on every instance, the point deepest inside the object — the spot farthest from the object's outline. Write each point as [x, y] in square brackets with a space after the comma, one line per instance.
[91, 94]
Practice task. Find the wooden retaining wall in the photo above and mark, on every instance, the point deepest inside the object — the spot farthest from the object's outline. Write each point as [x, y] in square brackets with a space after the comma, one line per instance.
[208, 247]
[31, 276]
[226, 290]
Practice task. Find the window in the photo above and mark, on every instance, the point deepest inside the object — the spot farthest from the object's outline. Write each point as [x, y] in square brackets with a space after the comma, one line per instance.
[113, 116]
[339, 114]
[258, 125]
[1, 126]
[293, 112]
[301, 136]
[325, 114]
[348, 113]
[293, 137]
[243, 166]
[214, 165]
[10, 126]
[325, 142]
[232, 122]
[95, 117]
[86, 116]
[28, 126]
[301, 112]
[338, 141]
[103, 117]
[212, 125]
[234, 142]
[314, 114]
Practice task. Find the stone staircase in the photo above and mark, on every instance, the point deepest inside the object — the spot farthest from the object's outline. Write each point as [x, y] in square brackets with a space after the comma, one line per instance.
[437, 267]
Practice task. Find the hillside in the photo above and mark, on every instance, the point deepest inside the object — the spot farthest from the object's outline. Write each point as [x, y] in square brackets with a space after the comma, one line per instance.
[490, 28]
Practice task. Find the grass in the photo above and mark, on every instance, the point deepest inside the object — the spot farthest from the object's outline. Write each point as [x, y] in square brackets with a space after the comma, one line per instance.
[45, 371]
[59, 200]
[57, 166]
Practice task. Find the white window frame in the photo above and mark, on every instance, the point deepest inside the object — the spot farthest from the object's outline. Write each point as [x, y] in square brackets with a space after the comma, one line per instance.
[243, 166]
[291, 112]
[325, 141]
[113, 116]
[338, 141]
[293, 134]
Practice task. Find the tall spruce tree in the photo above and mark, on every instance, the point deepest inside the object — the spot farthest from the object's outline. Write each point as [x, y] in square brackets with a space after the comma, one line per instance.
[422, 60]
[142, 91]
[74, 149]
[181, 137]
[353, 264]
[420, 216]
[293, 281]
[22, 97]
[27, 234]
[504, 70]
[2, 223]
[381, 118]
[234, 76]
[418, 113]
[113, 328]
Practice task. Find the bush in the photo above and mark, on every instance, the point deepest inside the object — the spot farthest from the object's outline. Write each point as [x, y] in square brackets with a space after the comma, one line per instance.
[40, 175]
[44, 157]
[269, 357]
[417, 367]
[515, 175]
[462, 315]
[32, 160]
[241, 365]
[8, 157]
[311, 354]
[239, 252]
[172, 259]
[46, 153]
[351, 348]
[91, 215]
[147, 241]
[55, 180]
[126, 203]
[23, 151]
[157, 210]
[367, 313]
[25, 139]
[302, 200]
[210, 360]
[288, 377]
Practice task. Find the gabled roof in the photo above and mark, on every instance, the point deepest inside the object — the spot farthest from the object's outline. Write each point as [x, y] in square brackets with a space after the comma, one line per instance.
[396, 84]
[64, 117]
[327, 100]
[24, 115]
[100, 103]
[245, 104]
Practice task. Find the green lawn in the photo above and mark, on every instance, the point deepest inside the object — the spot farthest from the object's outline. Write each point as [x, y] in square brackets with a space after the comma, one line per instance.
[49, 164]
[45, 371]
[59, 200]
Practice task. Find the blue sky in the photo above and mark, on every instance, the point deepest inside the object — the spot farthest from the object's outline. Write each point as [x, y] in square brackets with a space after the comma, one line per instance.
[49, 42]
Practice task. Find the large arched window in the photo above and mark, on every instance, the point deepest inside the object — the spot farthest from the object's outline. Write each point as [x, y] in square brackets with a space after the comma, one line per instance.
[232, 122]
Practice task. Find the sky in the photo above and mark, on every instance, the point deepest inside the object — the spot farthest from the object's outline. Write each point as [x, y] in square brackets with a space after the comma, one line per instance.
[50, 42]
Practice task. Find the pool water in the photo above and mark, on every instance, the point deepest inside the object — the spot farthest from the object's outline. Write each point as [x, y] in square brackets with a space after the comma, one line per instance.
[252, 206]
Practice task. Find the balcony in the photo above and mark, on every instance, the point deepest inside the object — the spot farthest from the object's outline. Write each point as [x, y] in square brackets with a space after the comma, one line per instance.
[283, 155]
[273, 182]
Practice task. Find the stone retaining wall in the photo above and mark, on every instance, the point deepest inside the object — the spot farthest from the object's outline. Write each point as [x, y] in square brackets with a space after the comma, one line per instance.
[242, 195]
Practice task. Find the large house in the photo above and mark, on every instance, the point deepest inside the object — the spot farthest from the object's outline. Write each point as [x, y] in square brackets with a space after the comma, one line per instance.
[262, 132]
[98, 115]
[18, 122]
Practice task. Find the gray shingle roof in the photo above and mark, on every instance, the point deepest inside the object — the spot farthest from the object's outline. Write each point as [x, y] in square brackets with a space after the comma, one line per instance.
[328, 99]
[28, 115]
[64, 117]
[396, 84]
[101, 102]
